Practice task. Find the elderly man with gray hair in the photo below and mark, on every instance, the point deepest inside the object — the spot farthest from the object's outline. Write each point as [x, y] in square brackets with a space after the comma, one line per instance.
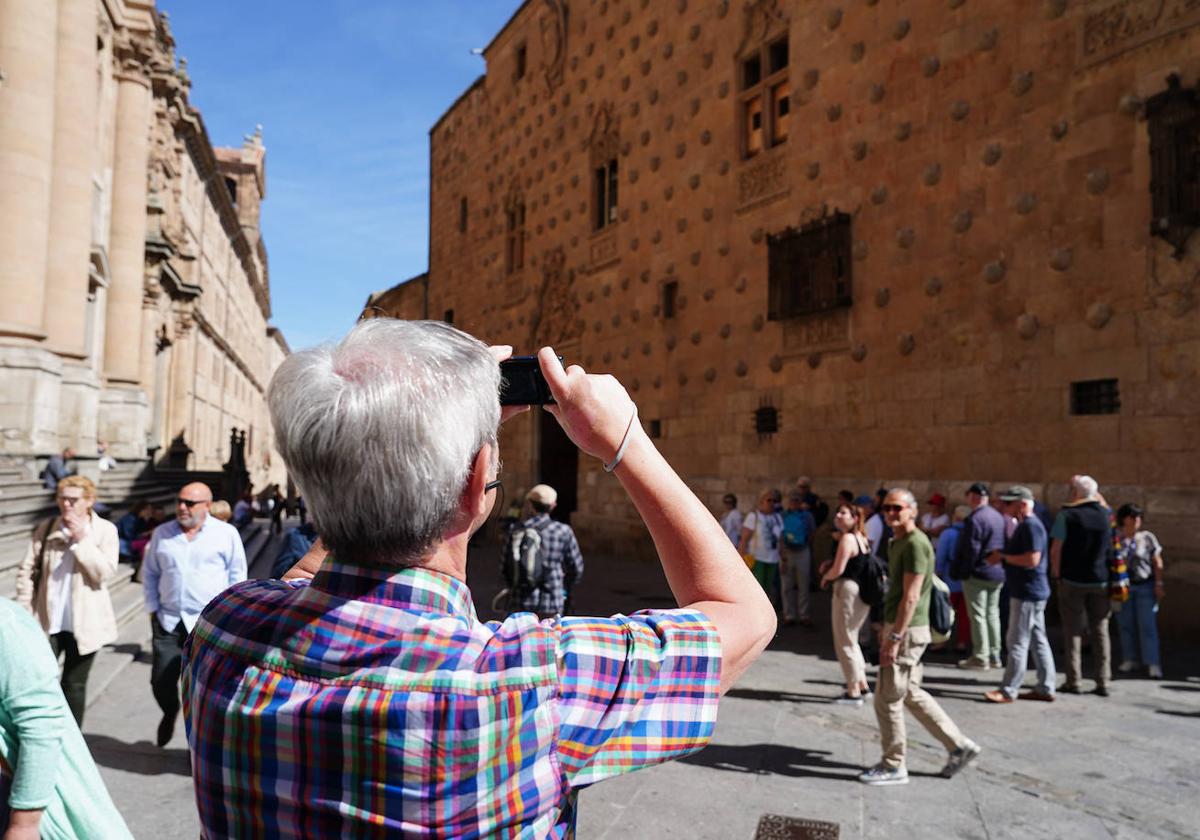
[1080, 552]
[371, 701]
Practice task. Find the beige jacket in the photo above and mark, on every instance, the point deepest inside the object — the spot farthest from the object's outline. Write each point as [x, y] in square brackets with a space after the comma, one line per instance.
[95, 563]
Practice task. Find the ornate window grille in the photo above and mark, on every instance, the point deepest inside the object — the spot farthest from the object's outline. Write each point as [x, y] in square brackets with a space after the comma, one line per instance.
[1174, 125]
[809, 268]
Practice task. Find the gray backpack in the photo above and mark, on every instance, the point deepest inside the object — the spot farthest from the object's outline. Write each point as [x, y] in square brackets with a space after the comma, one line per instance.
[525, 559]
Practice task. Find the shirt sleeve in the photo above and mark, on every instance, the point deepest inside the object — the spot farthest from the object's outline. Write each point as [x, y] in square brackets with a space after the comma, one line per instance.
[635, 691]
[573, 561]
[150, 574]
[1059, 531]
[920, 558]
[237, 561]
[33, 702]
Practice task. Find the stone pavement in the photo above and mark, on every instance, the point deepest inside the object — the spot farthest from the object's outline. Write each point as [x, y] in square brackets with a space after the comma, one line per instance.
[1083, 767]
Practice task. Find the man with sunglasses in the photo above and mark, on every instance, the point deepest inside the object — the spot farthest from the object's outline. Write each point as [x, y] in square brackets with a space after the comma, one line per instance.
[187, 563]
[905, 636]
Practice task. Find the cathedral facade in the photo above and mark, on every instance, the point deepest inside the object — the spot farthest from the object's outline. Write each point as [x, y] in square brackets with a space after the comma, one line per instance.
[133, 270]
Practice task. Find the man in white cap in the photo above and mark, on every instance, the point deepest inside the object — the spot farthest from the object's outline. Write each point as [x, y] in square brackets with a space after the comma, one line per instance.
[542, 561]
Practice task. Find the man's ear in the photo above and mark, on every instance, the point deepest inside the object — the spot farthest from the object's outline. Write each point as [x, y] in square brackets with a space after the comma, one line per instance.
[474, 498]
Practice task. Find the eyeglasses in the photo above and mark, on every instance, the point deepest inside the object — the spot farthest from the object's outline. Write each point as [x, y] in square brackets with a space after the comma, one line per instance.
[891, 508]
[191, 503]
[492, 485]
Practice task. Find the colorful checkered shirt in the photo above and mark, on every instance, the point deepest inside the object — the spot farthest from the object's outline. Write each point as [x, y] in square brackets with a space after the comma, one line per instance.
[371, 705]
[563, 567]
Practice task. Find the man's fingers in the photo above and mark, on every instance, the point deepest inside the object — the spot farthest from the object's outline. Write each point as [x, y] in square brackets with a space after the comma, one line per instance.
[500, 352]
[552, 369]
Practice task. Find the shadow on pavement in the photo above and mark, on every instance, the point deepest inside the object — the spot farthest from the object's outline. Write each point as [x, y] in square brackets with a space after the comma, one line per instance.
[773, 758]
[770, 696]
[1176, 713]
[141, 757]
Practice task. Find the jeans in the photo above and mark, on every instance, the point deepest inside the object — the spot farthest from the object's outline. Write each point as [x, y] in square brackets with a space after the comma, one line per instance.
[983, 605]
[1086, 609]
[795, 569]
[75, 672]
[899, 688]
[1138, 622]
[1027, 629]
[167, 662]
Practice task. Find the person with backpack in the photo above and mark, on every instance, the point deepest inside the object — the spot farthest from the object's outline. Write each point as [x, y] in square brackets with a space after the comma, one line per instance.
[906, 635]
[850, 604]
[795, 563]
[1026, 562]
[542, 561]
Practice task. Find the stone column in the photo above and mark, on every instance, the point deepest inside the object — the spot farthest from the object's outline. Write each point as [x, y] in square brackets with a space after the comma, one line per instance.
[69, 241]
[127, 241]
[27, 49]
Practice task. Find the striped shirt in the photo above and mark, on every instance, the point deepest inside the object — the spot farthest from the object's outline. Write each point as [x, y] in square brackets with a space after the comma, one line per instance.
[370, 704]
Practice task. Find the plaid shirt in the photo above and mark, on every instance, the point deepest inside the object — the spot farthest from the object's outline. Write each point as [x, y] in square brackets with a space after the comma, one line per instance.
[371, 705]
[563, 568]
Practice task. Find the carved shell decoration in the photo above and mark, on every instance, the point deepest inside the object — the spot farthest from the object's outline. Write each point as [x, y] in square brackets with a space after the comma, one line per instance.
[994, 272]
[1027, 326]
[858, 352]
[814, 360]
[1097, 181]
[906, 343]
[775, 364]
[1098, 315]
[933, 286]
[882, 296]
[1060, 260]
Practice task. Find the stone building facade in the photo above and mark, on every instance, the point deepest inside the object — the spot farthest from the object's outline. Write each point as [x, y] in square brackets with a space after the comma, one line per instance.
[920, 243]
[134, 275]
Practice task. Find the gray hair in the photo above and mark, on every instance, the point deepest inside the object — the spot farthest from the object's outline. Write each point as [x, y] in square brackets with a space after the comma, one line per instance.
[1084, 486]
[911, 500]
[379, 433]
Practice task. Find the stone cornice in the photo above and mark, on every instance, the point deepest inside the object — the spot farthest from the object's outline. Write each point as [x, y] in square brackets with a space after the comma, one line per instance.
[190, 127]
[226, 348]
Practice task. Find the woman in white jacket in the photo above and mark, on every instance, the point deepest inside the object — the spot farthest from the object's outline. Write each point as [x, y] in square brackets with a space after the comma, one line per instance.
[63, 581]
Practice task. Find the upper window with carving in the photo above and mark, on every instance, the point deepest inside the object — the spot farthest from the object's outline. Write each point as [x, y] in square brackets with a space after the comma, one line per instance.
[765, 99]
[809, 268]
[605, 193]
[1174, 124]
[514, 239]
[519, 66]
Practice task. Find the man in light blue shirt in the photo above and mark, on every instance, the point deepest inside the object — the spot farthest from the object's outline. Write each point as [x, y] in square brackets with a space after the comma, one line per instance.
[187, 563]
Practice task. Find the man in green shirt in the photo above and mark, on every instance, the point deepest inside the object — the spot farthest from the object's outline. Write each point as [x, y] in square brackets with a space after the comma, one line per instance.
[904, 639]
[49, 785]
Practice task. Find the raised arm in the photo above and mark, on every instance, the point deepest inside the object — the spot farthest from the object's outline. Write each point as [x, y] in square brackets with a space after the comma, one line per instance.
[702, 568]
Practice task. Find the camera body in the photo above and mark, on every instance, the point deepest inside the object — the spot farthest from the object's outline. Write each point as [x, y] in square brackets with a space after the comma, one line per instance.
[522, 382]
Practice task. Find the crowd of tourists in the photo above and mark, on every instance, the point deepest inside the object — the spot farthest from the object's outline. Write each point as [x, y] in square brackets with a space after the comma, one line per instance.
[359, 694]
[997, 560]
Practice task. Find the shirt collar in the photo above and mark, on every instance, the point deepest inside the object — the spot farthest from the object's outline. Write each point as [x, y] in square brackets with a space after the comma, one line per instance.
[537, 519]
[416, 588]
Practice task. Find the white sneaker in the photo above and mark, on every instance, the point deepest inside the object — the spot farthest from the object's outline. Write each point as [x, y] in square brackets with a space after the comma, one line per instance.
[1156, 672]
[960, 758]
[1127, 667]
[881, 774]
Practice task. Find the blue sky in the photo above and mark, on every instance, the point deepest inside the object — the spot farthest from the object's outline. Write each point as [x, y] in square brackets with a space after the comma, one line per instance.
[346, 92]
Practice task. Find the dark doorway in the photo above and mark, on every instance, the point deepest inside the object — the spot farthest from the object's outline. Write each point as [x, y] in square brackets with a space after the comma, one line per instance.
[558, 465]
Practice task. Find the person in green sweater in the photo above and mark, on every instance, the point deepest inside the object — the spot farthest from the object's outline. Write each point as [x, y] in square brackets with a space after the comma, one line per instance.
[49, 785]
[904, 637]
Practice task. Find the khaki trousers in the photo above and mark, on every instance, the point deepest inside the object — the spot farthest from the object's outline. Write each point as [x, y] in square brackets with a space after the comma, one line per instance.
[899, 687]
[849, 613]
[1085, 610]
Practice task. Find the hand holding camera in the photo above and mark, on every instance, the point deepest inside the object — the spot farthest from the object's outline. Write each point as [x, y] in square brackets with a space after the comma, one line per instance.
[594, 410]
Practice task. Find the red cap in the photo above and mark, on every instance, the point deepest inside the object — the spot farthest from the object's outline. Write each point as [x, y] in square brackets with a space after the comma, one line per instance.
[937, 499]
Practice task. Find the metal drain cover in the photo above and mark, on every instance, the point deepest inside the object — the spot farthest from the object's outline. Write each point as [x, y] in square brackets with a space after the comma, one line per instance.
[775, 827]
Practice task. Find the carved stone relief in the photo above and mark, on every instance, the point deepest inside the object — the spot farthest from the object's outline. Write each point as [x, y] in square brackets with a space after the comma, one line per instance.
[553, 27]
[556, 319]
[1126, 24]
[762, 179]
